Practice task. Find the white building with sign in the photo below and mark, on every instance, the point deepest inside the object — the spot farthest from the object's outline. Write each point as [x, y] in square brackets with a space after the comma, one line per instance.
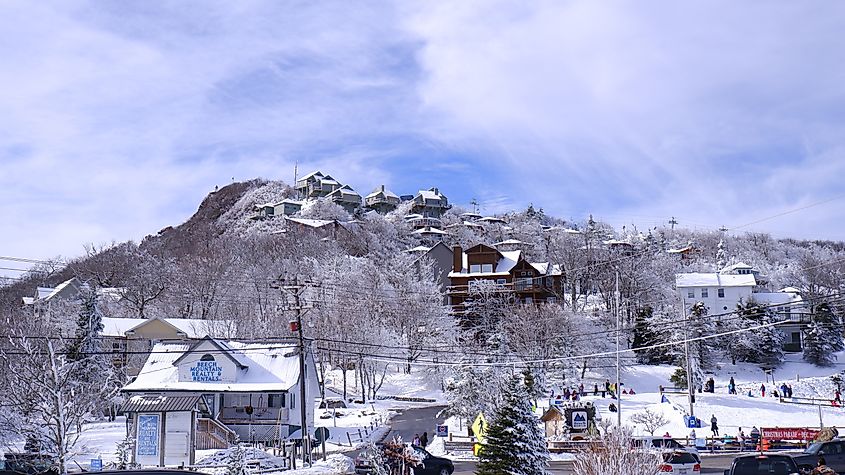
[202, 395]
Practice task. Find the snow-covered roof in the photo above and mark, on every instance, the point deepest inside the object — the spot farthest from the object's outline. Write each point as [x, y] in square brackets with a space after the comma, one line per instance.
[616, 242]
[265, 367]
[28, 300]
[491, 219]
[381, 189]
[59, 288]
[777, 298]
[508, 242]
[428, 230]
[192, 328]
[734, 267]
[315, 174]
[572, 231]
[792, 290]
[313, 223]
[328, 181]
[411, 216]
[419, 249]
[681, 250]
[470, 215]
[712, 279]
[42, 292]
[430, 195]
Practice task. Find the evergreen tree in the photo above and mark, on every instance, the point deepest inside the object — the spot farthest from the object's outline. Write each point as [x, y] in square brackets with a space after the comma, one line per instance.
[644, 336]
[515, 443]
[823, 337]
[762, 345]
[817, 347]
[89, 324]
[721, 257]
[825, 316]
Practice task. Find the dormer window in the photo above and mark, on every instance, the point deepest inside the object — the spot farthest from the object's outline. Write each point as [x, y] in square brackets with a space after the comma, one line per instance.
[207, 357]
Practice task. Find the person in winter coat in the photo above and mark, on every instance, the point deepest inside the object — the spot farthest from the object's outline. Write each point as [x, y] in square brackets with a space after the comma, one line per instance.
[762, 390]
[714, 426]
[424, 439]
[416, 440]
[822, 468]
[837, 396]
[755, 435]
[732, 386]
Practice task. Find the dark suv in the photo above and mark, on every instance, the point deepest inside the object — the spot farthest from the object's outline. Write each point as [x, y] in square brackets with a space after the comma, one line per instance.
[833, 452]
[763, 464]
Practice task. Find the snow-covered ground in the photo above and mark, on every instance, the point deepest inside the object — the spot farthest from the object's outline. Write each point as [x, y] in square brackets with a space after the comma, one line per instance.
[732, 411]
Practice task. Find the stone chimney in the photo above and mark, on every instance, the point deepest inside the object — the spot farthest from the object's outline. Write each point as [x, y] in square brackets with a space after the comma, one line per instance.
[457, 259]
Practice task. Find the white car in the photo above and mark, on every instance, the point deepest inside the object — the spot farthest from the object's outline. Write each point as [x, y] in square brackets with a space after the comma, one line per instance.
[680, 462]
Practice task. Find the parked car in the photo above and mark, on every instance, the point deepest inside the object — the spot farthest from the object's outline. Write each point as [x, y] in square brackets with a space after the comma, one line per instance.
[428, 464]
[833, 452]
[763, 464]
[432, 465]
[664, 444]
[680, 462]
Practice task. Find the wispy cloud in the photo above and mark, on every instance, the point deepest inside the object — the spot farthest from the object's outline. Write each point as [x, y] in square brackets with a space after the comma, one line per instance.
[120, 116]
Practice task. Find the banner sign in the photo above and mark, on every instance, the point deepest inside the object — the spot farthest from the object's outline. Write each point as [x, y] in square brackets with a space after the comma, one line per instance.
[787, 433]
[148, 434]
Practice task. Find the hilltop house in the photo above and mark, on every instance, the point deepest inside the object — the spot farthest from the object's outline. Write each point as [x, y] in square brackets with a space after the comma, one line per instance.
[286, 207]
[382, 200]
[508, 271]
[430, 203]
[316, 185]
[346, 198]
[202, 395]
[721, 293]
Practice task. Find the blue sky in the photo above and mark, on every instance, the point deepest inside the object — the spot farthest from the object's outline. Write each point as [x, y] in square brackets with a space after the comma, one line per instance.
[118, 117]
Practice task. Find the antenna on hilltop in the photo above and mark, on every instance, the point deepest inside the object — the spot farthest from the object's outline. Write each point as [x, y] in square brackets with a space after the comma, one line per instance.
[673, 222]
[474, 204]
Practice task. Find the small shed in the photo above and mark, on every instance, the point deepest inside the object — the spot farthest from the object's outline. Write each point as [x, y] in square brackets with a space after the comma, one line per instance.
[163, 427]
[569, 418]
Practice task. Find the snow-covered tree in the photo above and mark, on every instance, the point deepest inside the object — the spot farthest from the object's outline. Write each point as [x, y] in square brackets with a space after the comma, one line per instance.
[52, 403]
[236, 460]
[123, 454]
[819, 345]
[89, 324]
[763, 346]
[515, 443]
[650, 420]
[612, 455]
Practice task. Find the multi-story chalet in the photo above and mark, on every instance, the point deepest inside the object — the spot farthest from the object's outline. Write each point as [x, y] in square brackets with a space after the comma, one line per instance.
[346, 197]
[382, 200]
[430, 203]
[418, 221]
[440, 256]
[205, 394]
[525, 281]
[721, 293]
[316, 185]
[286, 207]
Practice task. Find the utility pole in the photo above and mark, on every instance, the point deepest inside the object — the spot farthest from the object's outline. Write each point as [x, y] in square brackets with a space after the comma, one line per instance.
[690, 389]
[618, 379]
[296, 290]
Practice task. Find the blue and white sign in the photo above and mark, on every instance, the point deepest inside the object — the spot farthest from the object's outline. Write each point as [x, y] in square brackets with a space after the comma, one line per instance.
[442, 431]
[206, 371]
[579, 419]
[148, 434]
[96, 465]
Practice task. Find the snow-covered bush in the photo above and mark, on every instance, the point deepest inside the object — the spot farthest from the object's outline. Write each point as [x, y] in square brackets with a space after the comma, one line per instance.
[612, 455]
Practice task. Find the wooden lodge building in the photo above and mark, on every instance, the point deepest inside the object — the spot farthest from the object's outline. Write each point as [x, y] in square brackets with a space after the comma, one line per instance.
[506, 271]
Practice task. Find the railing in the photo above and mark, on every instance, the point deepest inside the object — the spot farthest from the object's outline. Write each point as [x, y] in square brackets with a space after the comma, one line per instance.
[211, 434]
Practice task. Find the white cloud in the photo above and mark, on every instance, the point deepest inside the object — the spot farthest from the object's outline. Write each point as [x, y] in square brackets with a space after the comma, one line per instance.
[695, 109]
